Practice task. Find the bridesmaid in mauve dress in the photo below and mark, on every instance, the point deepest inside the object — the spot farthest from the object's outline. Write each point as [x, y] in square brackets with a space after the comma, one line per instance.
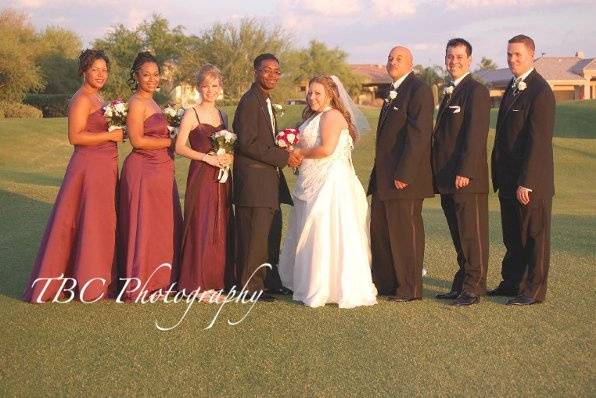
[150, 218]
[80, 237]
[205, 255]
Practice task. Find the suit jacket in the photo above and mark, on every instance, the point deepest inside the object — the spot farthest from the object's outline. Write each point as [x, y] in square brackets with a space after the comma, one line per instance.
[523, 152]
[258, 180]
[404, 143]
[459, 138]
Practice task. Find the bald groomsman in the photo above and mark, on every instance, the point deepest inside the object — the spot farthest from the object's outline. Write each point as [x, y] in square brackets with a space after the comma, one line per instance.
[400, 180]
[460, 172]
[523, 173]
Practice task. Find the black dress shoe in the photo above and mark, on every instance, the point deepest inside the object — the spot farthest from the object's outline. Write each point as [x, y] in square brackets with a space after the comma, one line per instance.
[400, 299]
[503, 290]
[283, 291]
[452, 295]
[267, 297]
[466, 299]
[522, 300]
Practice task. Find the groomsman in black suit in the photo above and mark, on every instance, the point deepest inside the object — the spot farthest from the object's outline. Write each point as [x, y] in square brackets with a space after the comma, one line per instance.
[259, 184]
[400, 180]
[523, 173]
[460, 171]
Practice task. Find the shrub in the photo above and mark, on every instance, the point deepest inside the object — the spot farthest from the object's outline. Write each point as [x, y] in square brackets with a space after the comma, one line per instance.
[16, 110]
[51, 105]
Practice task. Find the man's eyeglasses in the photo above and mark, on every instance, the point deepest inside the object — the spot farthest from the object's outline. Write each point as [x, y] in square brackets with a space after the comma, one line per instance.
[268, 71]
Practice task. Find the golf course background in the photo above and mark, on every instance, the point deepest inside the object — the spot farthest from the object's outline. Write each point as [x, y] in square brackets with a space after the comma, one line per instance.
[283, 348]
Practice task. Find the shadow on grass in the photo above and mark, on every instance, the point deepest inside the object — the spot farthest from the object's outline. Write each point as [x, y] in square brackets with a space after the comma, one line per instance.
[23, 223]
[588, 154]
[24, 220]
[30, 178]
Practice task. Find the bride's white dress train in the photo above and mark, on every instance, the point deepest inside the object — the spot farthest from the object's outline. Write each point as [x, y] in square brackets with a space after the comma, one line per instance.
[326, 256]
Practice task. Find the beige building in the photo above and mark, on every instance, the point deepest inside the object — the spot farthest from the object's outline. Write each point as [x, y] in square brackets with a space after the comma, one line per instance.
[375, 82]
[571, 78]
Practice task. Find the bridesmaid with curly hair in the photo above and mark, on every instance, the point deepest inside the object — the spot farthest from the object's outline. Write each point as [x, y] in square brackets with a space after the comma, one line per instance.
[80, 238]
[150, 215]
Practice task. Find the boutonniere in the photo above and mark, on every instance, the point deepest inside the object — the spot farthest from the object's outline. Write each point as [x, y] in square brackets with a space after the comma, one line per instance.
[278, 110]
[448, 90]
[392, 95]
[519, 85]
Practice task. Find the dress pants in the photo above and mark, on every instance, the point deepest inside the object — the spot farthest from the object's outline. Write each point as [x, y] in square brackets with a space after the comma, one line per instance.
[397, 243]
[467, 217]
[526, 235]
[258, 236]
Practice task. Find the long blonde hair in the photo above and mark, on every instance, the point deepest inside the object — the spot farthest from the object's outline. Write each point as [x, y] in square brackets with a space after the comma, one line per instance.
[331, 91]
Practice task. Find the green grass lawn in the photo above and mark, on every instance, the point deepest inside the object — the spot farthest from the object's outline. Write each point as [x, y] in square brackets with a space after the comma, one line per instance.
[284, 348]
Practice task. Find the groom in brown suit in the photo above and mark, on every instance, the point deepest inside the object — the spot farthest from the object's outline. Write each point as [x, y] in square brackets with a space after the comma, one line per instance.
[400, 180]
[259, 184]
[523, 173]
[460, 171]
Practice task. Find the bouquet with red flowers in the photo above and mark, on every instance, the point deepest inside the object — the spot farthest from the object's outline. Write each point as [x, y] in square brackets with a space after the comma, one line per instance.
[287, 138]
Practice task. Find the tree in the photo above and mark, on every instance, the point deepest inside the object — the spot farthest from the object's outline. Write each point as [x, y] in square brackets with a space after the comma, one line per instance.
[233, 49]
[121, 45]
[56, 55]
[430, 74]
[435, 76]
[18, 72]
[317, 58]
[486, 64]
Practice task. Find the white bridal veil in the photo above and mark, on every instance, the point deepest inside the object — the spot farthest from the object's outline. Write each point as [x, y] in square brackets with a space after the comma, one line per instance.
[358, 118]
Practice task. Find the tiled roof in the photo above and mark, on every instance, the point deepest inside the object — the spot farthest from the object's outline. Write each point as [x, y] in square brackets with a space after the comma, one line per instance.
[497, 77]
[551, 68]
[376, 74]
[591, 65]
[561, 68]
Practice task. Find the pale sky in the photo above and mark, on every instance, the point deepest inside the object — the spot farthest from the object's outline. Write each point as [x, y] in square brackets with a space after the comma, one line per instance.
[366, 29]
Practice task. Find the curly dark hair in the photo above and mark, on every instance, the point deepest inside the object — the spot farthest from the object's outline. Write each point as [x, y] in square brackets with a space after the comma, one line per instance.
[88, 57]
[141, 59]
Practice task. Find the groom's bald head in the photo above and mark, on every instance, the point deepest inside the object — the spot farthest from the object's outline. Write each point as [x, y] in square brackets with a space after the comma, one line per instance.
[399, 62]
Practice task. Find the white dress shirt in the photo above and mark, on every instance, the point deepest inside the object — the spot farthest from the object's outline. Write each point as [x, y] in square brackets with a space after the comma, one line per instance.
[399, 81]
[270, 109]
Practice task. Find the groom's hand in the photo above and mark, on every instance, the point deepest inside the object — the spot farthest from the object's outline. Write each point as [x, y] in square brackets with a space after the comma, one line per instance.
[400, 184]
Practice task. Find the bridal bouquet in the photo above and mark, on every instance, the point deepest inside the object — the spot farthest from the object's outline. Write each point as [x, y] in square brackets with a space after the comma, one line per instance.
[174, 116]
[287, 138]
[223, 142]
[115, 112]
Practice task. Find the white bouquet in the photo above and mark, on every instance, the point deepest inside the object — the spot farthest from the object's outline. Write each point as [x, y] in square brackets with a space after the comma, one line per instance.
[223, 142]
[174, 116]
[115, 112]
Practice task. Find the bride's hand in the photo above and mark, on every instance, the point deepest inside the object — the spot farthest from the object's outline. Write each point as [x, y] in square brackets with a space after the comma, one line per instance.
[295, 158]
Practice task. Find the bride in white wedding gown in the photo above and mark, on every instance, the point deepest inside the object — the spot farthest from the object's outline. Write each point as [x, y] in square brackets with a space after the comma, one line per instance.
[326, 256]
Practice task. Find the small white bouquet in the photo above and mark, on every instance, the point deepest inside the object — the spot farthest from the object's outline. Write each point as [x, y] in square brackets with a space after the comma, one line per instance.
[174, 116]
[115, 112]
[223, 142]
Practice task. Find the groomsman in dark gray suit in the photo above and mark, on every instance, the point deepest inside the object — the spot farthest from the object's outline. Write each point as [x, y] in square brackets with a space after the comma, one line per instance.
[523, 173]
[400, 180]
[460, 171]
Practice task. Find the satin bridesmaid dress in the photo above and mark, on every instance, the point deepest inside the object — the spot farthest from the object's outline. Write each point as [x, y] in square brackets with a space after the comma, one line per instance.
[207, 240]
[80, 238]
[150, 217]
